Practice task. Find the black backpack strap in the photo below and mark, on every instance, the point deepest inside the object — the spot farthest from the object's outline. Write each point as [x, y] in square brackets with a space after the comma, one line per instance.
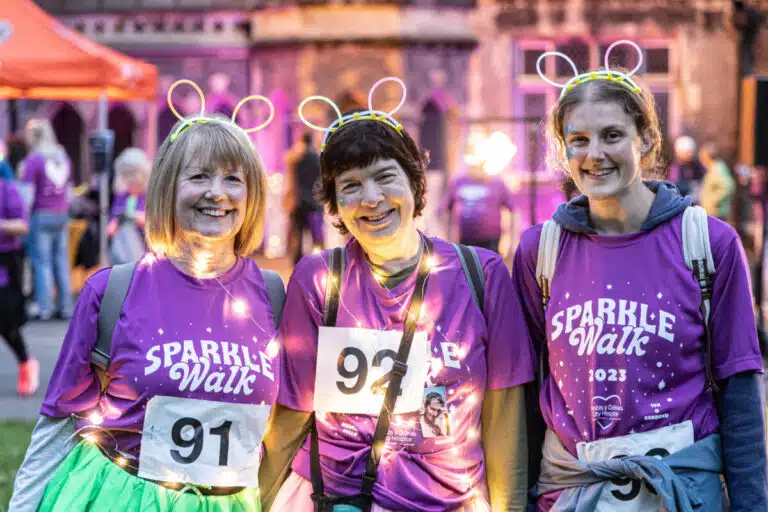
[473, 271]
[120, 277]
[337, 259]
[276, 291]
[399, 369]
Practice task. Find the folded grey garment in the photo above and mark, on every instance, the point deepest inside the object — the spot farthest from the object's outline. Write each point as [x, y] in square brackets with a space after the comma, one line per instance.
[52, 440]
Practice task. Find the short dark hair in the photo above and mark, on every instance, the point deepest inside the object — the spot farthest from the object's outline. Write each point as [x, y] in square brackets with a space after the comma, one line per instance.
[641, 107]
[434, 396]
[362, 143]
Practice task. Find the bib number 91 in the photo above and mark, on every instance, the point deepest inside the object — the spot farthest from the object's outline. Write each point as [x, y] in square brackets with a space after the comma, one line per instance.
[196, 442]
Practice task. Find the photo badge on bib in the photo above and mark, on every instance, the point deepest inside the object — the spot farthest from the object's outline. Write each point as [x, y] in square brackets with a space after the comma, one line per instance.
[354, 368]
[625, 494]
[202, 442]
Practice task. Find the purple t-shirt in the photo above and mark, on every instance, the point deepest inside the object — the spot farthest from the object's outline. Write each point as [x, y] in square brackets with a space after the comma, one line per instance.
[430, 466]
[178, 336]
[120, 202]
[51, 179]
[11, 207]
[626, 334]
[477, 206]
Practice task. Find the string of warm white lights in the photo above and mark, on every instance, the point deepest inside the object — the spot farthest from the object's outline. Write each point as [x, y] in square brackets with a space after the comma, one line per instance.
[436, 365]
[90, 431]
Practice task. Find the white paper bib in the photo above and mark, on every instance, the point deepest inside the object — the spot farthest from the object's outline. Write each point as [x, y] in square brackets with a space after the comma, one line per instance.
[354, 367]
[628, 495]
[202, 442]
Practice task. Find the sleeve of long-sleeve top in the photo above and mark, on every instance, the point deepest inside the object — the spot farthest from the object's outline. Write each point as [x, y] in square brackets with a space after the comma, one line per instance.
[52, 440]
[505, 444]
[285, 434]
[741, 411]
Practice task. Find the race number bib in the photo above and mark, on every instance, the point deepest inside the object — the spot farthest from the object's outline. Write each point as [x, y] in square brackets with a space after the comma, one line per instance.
[202, 442]
[625, 494]
[354, 369]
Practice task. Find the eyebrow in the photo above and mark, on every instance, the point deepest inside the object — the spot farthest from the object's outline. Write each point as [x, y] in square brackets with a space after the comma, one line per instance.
[387, 167]
[616, 127]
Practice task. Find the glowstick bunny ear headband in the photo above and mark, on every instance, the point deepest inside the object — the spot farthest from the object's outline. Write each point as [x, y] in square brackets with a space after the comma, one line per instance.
[623, 79]
[202, 118]
[370, 114]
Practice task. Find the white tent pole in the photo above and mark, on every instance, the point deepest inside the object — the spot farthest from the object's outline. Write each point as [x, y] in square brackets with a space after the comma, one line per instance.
[103, 190]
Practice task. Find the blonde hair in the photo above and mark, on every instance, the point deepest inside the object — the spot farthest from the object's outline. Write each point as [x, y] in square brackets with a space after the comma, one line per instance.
[43, 139]
[132, 168]
[216, 143]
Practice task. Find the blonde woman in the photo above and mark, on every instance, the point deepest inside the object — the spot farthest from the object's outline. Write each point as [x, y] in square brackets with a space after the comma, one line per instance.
[46, 173]
[176, 424]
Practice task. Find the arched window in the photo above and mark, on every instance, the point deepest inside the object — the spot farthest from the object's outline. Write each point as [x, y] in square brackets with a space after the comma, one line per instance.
[432, 135]
[165, 123]
[69, 128]
[122, 122]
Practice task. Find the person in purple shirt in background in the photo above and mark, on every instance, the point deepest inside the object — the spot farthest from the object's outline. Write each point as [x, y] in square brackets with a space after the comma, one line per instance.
[465, 370]
[640, 414]
[132, 170]
[46, 170]
[13, 225]
[476, 200]
[174, 417]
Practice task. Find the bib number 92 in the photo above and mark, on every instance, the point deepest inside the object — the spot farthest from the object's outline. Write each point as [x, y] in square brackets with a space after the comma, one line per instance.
[197, 440]
[360, 371]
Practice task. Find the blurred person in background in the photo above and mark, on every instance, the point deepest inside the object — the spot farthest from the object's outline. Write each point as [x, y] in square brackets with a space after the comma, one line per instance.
[128, 211]
[306, 214]
[475, 200]
[13, 225]
[718, 186]
[46, 174]
[686, 171]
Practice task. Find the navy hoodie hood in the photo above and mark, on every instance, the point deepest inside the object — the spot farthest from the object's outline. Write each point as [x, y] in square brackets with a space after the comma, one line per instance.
[574, 215]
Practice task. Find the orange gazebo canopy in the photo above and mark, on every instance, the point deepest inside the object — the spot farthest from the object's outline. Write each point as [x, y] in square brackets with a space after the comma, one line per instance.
[42, 58]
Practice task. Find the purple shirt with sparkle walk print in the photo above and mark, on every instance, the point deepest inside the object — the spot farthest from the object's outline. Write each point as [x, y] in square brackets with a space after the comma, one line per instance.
[625, 331]
[178, 336]
[432, 460]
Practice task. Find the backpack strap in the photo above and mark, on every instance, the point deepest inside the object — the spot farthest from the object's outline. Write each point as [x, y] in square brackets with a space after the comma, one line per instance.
[549, 243]
[276, 291]
[337, 259]
[547, 258]
[699, 260]
[473, 271]
[119, 281]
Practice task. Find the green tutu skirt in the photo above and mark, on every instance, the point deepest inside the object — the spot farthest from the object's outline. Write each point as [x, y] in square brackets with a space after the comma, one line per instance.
[88, 481]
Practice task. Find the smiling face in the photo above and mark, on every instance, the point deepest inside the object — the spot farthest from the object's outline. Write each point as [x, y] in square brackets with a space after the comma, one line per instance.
[210, 202]
[433, 410]
[603, 148]
[376, 204]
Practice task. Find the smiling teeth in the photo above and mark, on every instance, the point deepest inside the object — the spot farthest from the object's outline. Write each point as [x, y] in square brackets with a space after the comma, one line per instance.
[378, 217]
[600, 172]
[214, 213]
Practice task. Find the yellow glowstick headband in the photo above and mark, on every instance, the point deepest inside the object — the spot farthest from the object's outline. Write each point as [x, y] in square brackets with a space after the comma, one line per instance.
[370, 114]
[623, 79]
[202, 118]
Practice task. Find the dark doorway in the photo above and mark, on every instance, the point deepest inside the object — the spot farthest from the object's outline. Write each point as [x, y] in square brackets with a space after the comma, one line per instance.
[432, 135]
[69, 128]
[121, 122]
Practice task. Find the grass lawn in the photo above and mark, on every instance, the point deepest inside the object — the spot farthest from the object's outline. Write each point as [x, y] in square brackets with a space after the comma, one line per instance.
[14, 438]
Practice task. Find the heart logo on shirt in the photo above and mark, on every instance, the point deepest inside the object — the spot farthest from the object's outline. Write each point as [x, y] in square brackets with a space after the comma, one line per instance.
[57, 172]
[6, 29]
[606, 410]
